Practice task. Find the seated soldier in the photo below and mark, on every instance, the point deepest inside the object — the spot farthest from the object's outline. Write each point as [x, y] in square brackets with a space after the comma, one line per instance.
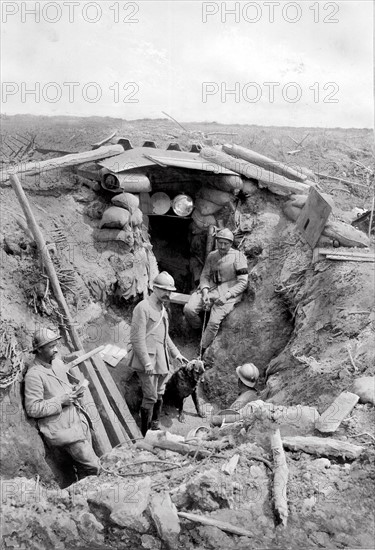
[248, 375]
[222, 283]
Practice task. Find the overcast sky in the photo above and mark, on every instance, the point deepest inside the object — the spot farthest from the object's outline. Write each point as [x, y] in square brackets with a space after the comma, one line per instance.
[268, 63]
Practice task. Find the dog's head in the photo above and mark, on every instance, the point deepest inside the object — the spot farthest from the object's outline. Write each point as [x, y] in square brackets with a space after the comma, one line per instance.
[196, 366]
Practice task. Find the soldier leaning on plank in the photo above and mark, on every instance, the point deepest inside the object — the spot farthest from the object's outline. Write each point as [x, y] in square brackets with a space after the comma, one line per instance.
[53, 401]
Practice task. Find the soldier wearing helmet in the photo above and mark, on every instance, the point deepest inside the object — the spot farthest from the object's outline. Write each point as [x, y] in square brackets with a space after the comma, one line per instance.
[223, 280]
[51, 398]
[151, 349]
[248, 375]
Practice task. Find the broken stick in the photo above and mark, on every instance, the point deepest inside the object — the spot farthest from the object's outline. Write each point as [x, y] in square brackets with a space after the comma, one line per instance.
[224, 526]
[280, 477]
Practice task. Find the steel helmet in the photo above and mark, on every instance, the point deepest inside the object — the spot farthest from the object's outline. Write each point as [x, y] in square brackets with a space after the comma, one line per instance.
[248, 374]
[225, 234]
[42, 337]
[164, 280]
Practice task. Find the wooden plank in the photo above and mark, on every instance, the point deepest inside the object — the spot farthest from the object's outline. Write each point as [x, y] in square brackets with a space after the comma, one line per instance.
[117, 400]
[179, 298]
[345, 252]
[345, 258]
[313, 217]
[264, 162]
[36, 167]
[323, 446]
[113, 426]
[280, 477]
[100, 436]
[332, 417]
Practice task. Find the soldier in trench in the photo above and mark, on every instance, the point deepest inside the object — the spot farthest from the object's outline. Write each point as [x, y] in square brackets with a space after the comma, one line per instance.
[151, 350]
[54, 401]
[222, 282]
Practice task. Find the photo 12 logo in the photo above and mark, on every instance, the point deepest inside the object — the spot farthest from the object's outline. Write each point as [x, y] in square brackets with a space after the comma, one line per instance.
[271, 12]
[69, 92]
[54, 12]
[252, 92]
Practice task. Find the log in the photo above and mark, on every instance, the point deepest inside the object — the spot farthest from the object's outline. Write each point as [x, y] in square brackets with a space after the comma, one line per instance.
[264, 162]
[274, 182]
[331, 418]
[280, 477]
[323, 446]
[222, 525]
[36, 167]
[101, 439]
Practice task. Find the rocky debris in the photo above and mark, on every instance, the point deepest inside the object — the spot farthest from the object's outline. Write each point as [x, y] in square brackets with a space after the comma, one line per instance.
[207, 491]
[364, 387]
[164, 515]
[331, 418]
[123, 503]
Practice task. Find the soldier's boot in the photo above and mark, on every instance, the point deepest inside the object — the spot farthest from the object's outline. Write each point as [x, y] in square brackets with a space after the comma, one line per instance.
[146, 415]
[155, 421]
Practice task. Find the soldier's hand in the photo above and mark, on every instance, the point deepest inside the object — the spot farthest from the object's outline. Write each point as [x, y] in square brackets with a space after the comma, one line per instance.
[149, 369]
[220, 301]
[182, 359]
[67, 398]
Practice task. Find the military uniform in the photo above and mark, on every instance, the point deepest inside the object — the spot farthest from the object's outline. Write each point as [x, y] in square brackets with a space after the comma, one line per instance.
[67, 426]
[222, 275]
[151, 345]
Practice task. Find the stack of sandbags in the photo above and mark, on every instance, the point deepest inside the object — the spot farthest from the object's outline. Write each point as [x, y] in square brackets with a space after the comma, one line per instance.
[119, 222]
[209, 201]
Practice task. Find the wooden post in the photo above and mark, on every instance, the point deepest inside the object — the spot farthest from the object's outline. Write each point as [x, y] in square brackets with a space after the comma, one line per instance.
[101, 439]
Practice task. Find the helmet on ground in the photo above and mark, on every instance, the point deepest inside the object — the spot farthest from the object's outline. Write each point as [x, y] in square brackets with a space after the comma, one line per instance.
[164, 280]
[225, 234]
[42, 337]
[248, 374]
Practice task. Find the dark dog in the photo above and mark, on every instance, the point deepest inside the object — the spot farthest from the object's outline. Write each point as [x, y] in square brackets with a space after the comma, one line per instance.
[184, 382]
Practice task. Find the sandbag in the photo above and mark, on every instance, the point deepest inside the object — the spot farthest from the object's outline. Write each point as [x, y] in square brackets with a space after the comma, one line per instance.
[203, 222]
[364, 387]
[105, 235]
[136, 218]
[126, 200]
[206, 207]
[229, 183]
[114, 217]
[216, 196]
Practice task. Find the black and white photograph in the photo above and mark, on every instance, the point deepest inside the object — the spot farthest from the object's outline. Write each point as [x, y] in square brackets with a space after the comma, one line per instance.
[187, 230]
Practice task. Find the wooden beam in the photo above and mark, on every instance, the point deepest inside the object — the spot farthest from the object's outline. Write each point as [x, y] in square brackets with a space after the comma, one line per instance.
[274, 182]
[280, 477]
[264, 162]
[178, 298]
[36, 167]
[117, 401]
[313, 217]
[323, 446]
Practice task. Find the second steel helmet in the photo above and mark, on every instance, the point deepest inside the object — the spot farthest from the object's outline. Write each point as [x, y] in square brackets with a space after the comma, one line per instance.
[248, 374]
[42, 337]
[225, 234]
[165, 281]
